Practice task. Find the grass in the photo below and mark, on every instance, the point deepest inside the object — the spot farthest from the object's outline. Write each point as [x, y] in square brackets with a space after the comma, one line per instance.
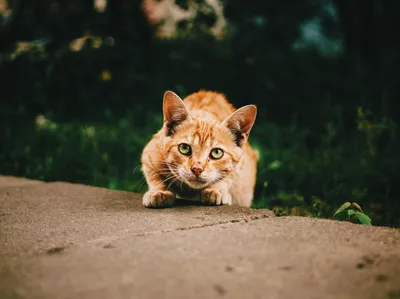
[300, 172]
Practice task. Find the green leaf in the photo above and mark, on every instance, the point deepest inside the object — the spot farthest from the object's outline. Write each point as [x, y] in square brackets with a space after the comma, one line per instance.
[351, 212]
[344, 206]
[364, 219]
[357, 206]
[275, 165]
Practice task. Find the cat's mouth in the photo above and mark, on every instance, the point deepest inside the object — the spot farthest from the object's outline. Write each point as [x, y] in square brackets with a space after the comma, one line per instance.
[198, 179]
[197, 183]
[193, 181]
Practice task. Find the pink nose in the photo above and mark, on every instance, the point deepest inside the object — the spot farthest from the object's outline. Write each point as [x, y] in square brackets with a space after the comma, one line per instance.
[197, 171]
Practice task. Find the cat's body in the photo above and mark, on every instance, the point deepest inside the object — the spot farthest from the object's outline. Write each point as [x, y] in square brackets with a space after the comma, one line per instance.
[201, 152]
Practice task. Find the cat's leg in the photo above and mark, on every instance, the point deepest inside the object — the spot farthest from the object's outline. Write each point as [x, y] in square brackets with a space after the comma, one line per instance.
[216, 194]
[157, 196]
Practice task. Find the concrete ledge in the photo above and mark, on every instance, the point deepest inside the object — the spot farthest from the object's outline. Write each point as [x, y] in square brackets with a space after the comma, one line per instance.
[61, 240]
[37, 217]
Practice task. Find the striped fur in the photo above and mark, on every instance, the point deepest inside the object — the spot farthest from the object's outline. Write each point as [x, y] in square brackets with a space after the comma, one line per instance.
[204, 121]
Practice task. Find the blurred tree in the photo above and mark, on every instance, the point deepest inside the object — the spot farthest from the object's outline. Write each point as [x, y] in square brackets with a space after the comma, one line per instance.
[372, 41]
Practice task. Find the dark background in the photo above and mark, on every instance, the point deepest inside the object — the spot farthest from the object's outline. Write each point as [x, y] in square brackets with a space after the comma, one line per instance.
[81, 93]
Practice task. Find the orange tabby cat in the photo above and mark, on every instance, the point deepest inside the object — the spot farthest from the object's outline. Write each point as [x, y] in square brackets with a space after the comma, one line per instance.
[201, 152]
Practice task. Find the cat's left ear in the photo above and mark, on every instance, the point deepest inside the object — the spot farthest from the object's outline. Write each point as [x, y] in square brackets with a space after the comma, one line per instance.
[241, 122]
[174, 110]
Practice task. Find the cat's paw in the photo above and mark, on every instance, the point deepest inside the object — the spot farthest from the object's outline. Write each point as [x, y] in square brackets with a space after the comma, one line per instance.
[158, 199]
[212, 196]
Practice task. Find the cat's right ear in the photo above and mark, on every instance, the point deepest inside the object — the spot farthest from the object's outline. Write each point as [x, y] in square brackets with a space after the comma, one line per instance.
[175, 111]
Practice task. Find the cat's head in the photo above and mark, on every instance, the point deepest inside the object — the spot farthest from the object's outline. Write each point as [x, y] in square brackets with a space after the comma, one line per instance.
[200, 150]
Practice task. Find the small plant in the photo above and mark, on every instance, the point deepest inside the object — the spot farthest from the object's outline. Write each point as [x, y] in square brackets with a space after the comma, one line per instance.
[353, 211]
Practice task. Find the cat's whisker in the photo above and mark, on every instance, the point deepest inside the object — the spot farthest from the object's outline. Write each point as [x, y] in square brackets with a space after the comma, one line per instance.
[172, 183]
[164, 173]
[181, 185]
[161, 172]
[134, 170]
[144, 181]
[167, 179]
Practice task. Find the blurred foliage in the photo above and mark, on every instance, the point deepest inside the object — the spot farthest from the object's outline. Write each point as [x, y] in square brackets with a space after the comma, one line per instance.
[81, 94]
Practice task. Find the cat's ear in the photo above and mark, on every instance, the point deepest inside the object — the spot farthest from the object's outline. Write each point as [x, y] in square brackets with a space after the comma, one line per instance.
[240, 123]
[174, 110]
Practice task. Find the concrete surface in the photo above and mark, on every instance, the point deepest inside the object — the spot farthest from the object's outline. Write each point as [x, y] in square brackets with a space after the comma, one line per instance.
[60, 240]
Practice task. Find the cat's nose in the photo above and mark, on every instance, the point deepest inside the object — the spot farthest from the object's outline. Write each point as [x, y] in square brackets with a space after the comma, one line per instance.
[197, 170]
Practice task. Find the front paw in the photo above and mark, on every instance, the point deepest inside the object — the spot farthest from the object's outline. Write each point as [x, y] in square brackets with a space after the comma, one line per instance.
[158, 199]
[211, 196]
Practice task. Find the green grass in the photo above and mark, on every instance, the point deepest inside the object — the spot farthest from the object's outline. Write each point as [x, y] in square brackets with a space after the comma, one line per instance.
[300, 172]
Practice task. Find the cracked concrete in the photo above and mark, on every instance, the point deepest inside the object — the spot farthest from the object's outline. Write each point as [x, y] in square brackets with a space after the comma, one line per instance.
[61, 240]
[38, 216]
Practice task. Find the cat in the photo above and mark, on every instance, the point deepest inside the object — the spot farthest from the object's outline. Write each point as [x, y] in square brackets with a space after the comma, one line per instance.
[201, 152]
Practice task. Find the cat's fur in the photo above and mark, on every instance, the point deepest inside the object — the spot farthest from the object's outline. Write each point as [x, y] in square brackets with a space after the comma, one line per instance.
[204, 120]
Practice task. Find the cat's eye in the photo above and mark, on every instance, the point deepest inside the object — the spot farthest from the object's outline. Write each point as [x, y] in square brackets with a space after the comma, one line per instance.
[216, 153]
[185, 149]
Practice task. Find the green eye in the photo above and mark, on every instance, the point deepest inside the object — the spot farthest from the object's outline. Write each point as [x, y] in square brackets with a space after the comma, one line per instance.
[185, 149]
[216, 153]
